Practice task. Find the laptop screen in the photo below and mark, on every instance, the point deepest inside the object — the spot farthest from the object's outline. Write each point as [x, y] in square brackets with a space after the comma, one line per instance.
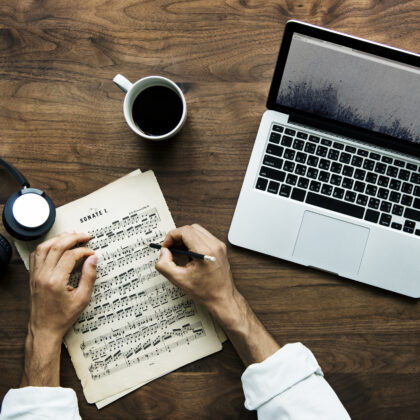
[351, 86]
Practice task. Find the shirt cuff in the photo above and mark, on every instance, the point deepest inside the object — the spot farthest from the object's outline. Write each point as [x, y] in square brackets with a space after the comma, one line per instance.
[40, 403]
[286, 367]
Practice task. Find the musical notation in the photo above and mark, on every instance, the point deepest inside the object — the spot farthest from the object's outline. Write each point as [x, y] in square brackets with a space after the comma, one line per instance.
[134, 314]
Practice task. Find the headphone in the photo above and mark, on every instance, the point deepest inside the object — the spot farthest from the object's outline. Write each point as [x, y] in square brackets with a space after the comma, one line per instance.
[27, 215]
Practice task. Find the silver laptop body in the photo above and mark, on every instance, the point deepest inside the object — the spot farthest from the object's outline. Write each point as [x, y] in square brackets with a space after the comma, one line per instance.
[333, 181]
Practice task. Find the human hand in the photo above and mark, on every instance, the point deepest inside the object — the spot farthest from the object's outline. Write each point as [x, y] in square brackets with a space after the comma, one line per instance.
[209, 283]
[55, 305]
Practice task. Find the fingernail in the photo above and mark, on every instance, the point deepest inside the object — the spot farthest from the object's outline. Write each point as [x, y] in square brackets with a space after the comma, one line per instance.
[93, 260]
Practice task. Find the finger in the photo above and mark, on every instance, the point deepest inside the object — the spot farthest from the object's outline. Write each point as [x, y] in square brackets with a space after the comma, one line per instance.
[186, 235]
[87, 280]
[68, 260]
[43, 248]
[166, 266]
[62, 244]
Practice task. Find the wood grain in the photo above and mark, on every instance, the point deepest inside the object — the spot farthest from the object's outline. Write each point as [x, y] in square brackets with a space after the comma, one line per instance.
[62, 124]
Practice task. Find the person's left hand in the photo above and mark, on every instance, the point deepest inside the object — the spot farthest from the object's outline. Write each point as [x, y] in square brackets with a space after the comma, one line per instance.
[55, 306]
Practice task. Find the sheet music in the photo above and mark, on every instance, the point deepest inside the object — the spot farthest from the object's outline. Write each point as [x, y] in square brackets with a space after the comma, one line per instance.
[137, 326]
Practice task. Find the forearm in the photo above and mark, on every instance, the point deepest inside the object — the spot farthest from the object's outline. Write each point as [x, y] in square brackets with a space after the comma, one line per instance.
[245, 331]
[42, 361]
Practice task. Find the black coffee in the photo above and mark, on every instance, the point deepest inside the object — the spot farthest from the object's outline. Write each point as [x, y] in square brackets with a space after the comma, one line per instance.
[157, 110]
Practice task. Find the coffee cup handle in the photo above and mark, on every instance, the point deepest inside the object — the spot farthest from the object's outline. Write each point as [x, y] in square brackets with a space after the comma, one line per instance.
[123, 83]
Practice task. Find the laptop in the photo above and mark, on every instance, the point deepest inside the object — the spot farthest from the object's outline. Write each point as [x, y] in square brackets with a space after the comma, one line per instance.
[333, 181]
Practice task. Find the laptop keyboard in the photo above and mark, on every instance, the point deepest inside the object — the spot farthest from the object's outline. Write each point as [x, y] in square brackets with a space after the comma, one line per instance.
[342, 178]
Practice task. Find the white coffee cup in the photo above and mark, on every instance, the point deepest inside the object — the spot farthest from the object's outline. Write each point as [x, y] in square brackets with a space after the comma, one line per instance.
[132, 90]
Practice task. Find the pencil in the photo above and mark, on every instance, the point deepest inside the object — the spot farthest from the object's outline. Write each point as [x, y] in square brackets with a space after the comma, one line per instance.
[187, 253]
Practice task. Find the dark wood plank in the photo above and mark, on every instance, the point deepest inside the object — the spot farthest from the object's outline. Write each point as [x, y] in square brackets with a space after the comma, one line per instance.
[62, 125]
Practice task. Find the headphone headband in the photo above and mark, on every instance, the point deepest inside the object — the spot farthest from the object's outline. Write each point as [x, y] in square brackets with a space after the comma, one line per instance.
[15, 173]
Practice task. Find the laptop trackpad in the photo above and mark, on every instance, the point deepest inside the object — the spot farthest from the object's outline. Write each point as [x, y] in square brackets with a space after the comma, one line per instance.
[330, 244]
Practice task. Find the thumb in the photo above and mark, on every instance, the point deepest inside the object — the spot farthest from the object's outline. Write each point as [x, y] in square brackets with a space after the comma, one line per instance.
[166, 265]
[87, 280]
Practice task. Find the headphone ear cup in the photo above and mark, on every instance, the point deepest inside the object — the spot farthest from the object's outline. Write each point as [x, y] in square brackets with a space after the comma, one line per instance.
[5, 252]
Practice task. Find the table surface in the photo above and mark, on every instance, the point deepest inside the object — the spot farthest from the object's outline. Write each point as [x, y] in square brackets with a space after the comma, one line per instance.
[62, 124]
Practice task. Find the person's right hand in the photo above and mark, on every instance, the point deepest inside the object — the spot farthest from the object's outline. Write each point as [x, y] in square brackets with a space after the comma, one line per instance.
[209, 283]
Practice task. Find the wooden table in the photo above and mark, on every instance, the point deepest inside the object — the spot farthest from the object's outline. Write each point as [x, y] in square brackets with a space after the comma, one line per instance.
[62, 124]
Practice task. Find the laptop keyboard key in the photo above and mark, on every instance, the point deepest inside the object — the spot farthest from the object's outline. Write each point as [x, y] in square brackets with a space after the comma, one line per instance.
[395, 197]
[411, 167]
[371, 190]
[273, 162]
[298, 144]
[278, 128]
[326, 189]
[357, 161]
[392, 171]
[273, 187]
[386, 159]
[301, 135]
[386, 206]
[289, 154]
[362, 199]
[359, 174]
[310, 148]
[339, 146]
[290, 131]
[261, 184]
[350, 196]
[335, 205]
[399, 163]
[298, 194]
[404, 175]
[348, 171]
[415, 178]
[272, 173]
[312, 173]
[333, 154]
[385, 219]
[303, 182]
[359, 186]
[336, 167]
[285, 190]
[300, 157]
[350, 149]
[407, 188]
[286, 141]
[300, 170]
[373, 203]
[374, 156]
[345, 157]
[314, 139]
[338, 192]
[363, 153]
[397, 210]
[368, 164]
[324, 164]
[326, 142]
[275, 150]
[416, 203]
[321, 151]
[380, 168]
[324, 176]
[274, 138]
[383, 181]
[395, 184]
[291, 179]
[372, 216]
[289, 166]
[383, 193]
[412, 214]
[313, 161]
[347, 183]
[417, 191]
[315, 186]
[371, 178]
[397, 226]
[406, 200]
[409, 226]
[335, 180]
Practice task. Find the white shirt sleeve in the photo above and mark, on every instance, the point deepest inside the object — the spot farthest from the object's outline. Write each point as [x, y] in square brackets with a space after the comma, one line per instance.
[39, 403]
[290, 385]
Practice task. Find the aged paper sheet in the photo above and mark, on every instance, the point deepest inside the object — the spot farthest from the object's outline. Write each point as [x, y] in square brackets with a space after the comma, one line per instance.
[138, 326]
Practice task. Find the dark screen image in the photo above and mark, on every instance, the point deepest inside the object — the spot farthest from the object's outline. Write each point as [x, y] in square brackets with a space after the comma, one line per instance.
[352, 87]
